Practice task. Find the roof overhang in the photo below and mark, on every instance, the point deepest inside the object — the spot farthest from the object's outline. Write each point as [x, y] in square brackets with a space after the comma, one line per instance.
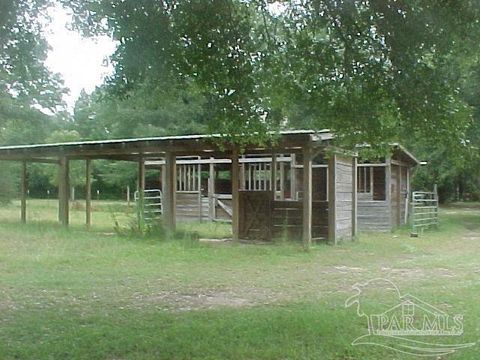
[406, 154]
[400, 151]
[132, 149]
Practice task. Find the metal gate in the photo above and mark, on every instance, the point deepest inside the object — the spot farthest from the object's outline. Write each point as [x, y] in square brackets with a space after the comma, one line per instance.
[424, 211]
[152, 203]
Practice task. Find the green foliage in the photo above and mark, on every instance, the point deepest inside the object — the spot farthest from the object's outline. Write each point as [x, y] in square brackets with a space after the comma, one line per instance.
[207, 46]
[458, 178]
[28, 90]
[22, 124]
[23, 74]
[377, 71]
[160, 111]
[8, 183]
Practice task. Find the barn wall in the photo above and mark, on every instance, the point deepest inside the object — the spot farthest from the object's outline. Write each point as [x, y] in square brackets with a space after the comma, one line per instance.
[262, 218]
[404, 193]
[394, 196]
[373, 215]
[385, 215]
[343, 197]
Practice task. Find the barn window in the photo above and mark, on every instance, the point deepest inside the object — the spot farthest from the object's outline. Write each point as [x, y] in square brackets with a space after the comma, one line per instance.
[363, 179]
[371, 180]
[320, 183]
[379, 183]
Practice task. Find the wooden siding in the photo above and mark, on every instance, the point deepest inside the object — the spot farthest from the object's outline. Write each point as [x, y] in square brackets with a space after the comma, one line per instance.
[373, 216]
[255, 218]
[343, 197]
[288, 219]
[403, 194]
[263, 218]
[394, 197]
[386, 215]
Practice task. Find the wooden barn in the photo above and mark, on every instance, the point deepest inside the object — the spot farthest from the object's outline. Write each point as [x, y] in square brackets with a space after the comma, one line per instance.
[271, 189]
[297, 186]
[383, 190]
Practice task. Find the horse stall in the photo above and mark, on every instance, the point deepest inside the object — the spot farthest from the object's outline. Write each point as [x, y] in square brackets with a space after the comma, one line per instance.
[383, 191]
[271, 194]
[276, 210]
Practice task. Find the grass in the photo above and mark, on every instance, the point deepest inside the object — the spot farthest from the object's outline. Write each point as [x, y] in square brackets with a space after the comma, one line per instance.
[104, 216]
[77, 294]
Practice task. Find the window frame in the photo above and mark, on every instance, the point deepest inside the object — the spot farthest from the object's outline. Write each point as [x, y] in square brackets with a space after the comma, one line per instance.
[365, 169]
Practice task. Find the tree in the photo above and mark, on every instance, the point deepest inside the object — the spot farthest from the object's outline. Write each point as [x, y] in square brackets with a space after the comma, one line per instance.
[372, 71]
[376, 71]
[204, 46]
[23, 74]
[456, 173]
[169, 111]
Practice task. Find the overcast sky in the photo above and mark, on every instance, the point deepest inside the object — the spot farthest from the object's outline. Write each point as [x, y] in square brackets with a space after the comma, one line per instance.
[81, 61]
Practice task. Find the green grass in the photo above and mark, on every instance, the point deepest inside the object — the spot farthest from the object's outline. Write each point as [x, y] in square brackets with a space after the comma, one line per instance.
[77, 294]
[104, 216]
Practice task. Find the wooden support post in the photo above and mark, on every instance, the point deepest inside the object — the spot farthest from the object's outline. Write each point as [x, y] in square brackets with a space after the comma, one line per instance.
[388, 188]
[399, 195]
[211, 190]
[199, 178]
[307, 196]
[273, 175]
[88, 193]
[140, 206]
[412, 220]
[354, 196]
[128, 195]
[235, 195]
[407, 198]
[265, 178]
[141, 177]
[282, 181]
[169, 194]
[23, 193]
[242, 175]
[184, 170]
[63, 191]
[332, 203]
[252, 168]
[435, 196]
[371, 180]
[163, 179]
[293, 178]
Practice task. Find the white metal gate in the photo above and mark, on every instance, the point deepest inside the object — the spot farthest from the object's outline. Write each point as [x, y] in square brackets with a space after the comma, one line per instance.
[152, 203]
[424, 211]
